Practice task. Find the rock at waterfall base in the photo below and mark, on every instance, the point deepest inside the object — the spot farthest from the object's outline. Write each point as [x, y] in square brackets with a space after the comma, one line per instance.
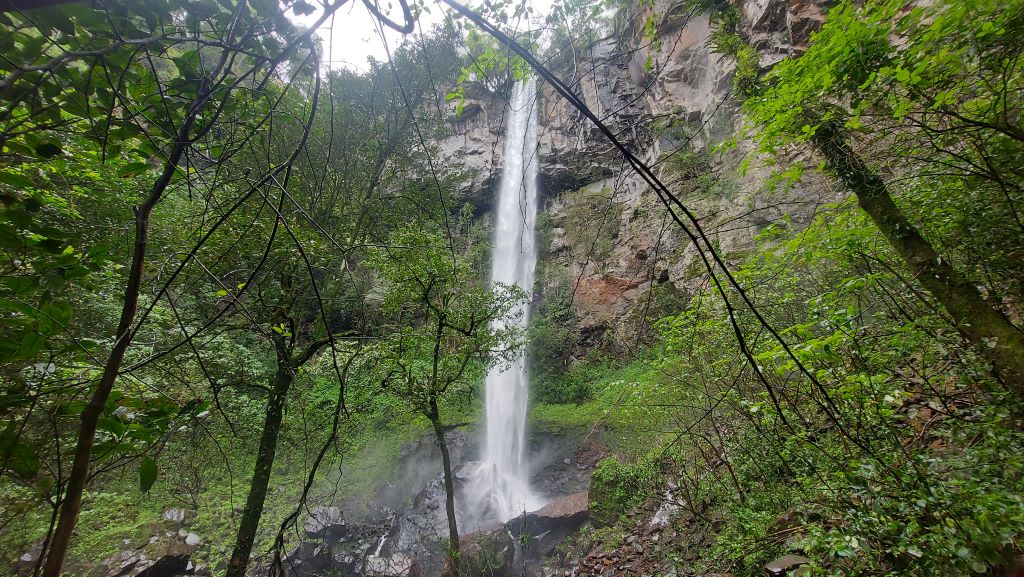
[324, 521]
[524, 541]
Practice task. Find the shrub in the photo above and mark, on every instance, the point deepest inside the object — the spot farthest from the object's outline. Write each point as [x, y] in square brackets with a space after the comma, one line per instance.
[616, 487]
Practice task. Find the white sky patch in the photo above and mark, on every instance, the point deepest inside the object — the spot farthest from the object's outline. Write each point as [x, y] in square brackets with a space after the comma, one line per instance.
[353, 34]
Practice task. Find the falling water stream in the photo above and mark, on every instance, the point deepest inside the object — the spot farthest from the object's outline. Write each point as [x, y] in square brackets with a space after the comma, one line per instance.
[503, 486]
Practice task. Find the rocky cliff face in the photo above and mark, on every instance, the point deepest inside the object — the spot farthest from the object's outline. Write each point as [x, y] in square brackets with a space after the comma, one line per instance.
[605, 239]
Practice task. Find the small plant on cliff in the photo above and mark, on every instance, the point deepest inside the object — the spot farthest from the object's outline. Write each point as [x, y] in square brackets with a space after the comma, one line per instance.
[616, 487]
[553, 336]
[726, 39]
[591, 223]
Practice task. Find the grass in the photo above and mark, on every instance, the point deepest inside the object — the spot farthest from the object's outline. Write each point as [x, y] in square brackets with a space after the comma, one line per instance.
[629, 402]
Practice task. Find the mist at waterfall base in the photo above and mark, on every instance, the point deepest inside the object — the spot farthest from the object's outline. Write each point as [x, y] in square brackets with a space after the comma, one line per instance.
[499, 487]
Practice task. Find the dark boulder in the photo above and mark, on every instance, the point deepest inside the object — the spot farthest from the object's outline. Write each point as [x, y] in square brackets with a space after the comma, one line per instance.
[324, 522]
[307, 560]
[783, 565]
[168, 566]
[397, 565]
[518, 547]
[491, 553]
[27, 561]
[542, 530]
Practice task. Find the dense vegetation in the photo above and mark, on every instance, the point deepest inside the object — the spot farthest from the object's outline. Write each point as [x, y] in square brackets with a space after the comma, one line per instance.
[876, 425]
[228, 268]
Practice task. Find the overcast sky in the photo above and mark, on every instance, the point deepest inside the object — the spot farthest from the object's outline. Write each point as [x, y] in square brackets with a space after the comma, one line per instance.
[354, 34]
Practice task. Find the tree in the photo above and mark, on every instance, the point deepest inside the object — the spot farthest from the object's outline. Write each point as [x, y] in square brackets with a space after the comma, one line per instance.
[334, 205]
[160, 78]
[225, 97]
[445, 330]
[935, 96]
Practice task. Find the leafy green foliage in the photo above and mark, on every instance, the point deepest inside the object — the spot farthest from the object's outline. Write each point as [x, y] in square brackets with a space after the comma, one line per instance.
[487, 64]
[615, 488]
[142, 51]
[901, 379]
[900, 457]
[253, 249]
[725, 39]
[576, 25]
[552, 339]
[43, 264]
[447, 327]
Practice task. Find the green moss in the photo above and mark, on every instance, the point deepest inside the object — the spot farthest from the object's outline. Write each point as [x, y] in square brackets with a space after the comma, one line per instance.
[110, 518]
[591, 223]
[616, 487]
[552, 338]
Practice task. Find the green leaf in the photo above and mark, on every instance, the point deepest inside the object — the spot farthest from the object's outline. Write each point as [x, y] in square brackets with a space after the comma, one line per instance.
[22, 460]
[31, 343]
[112, 425]
[74, 408]
[132, 169]
[54, 280]
[147, 474]
[10, 238]
[59, 311]
[16, 180]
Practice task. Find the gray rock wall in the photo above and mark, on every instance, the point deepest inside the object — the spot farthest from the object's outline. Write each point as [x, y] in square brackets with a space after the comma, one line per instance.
[605, 237]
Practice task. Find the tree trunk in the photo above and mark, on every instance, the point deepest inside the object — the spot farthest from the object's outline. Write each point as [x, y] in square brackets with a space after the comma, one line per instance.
[261, 473]
[72, 501]
[984, 326]
[449, 487]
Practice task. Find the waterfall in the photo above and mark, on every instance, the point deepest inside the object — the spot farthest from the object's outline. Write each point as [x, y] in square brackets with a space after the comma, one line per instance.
[504, 485]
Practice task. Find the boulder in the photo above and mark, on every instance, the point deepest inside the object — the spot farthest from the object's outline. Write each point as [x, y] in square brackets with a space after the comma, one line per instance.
[397, 565]
[345, 561]
[324, 522]
[160, 556]
[175, 516]
[168, 566]
[136, 564]
[308, 559]
[540, 531]
[26, 563]
[491, 553]
[785, 564]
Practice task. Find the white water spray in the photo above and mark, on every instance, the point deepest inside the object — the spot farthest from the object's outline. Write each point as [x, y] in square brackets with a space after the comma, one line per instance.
[504, 483]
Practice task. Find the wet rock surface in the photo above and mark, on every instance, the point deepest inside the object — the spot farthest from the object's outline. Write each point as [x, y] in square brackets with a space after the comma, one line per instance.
[522, 545]
[560, 467]
[165, 555]
[348, 548]
[668, 103]
[783, 565]
[409, 539]
[539, 532]
[169, 566]
[325, 522]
